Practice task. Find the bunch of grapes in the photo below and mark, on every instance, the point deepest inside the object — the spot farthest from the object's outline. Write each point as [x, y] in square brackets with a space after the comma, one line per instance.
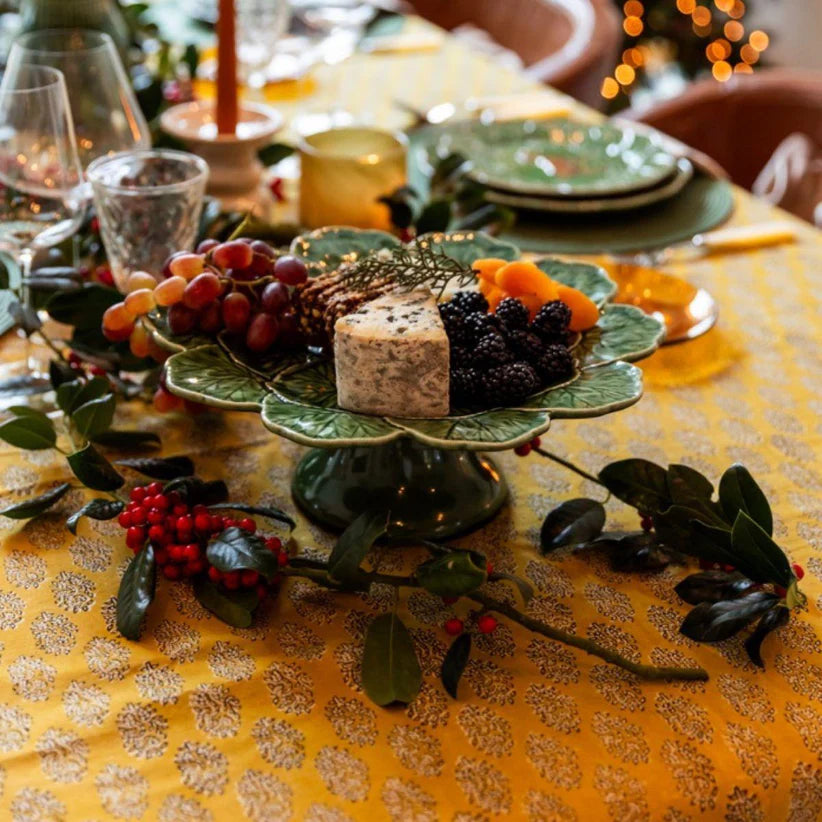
[241, 286]
[179, 534]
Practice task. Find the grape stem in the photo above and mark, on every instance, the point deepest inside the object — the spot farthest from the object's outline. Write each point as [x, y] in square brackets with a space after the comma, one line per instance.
[318, 572]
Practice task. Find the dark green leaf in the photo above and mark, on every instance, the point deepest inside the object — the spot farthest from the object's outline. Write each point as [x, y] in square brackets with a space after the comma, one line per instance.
[235, 608]
[713, 586]
[274, 153]
[60, 372]
[574, 522]
[738, 491]
[354, 543]
[198, 492]
[50, 284]
[436, 216]
[33, 507]
[136, 593]
[5, 280]
[96, 509]
[94, 470]
[403, 204]
[454, 663]
[71, 395]
[95, 416]
[639, 483]
[689, 488]
[160, 468]
[715, 621]
[191, 56]
[526, 590]
[678, 529]
[390, 670]
[237, 550]
[259, 510]
[25, 411]
[771, 620]
[83, 308]
[638, 552]
[126, 439]
[29, 432]
[449, 169]
[757, 555]
[451, 575]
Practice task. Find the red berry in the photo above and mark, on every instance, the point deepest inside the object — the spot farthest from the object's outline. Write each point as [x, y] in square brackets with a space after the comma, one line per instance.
[728, 568]
[216, 524]
[179, 510]
[248, 524]
[780, 591]
[646, 523]
[137, 494]
[449, 600]
[213, 574]
[798, 570]
[154, 488]
[489, 568]
[486, 624]
[161, 501]
[176, 553]
[156, 517]
[124, 519]
[536, 442]
[202, 522]
[139, 516]
[454, 626]
[174, 498]
[282, 559]
[191, 552]
[172, 571]
[184, 523]
[262, 591]
[523, 450]
[135, 537]
[156, 533]
[231, 580]
[273, 543]
[194, 567]
[249, 578]
[160, 556]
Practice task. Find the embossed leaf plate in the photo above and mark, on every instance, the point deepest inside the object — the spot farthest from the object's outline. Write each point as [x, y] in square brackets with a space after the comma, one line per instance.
[297, 397]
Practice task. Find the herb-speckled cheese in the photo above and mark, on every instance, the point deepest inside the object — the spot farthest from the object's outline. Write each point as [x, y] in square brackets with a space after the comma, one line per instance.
[391, 357]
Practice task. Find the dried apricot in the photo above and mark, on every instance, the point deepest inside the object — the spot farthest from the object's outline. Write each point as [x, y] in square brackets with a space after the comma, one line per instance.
[486, 267]
[494, 296]
[584, 313]
[523, 277]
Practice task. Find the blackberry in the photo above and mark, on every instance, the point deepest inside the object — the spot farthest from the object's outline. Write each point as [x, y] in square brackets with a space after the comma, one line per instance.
[466, 387]
[551, 322]
[480, 325]
[525, 345]
[555, 365]
[449, 311]
[459, 356]
[508, 384]
[457, 331]
[491, 351]
[513, 313]
[470, 301]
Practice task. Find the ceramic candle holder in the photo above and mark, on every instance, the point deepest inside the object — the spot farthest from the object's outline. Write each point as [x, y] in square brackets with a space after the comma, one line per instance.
[344, 173]
[235, 169]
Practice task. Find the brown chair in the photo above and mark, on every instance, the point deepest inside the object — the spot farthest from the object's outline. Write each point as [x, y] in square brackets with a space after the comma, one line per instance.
[568, 44]
[740, 123]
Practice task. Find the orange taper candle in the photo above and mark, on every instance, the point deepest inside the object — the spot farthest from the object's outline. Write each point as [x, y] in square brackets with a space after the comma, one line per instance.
[226, 69]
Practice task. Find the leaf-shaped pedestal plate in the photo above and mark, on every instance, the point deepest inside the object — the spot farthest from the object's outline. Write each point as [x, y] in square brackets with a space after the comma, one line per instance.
[427, 472]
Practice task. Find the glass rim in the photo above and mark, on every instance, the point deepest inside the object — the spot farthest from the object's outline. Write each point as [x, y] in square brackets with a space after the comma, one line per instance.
[94, 171]
[399, 148]
[104, 41]
[57, 79]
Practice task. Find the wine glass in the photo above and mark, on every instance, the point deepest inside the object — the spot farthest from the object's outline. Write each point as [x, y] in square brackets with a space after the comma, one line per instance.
[41, 183]
[260, 24]
[107, 117]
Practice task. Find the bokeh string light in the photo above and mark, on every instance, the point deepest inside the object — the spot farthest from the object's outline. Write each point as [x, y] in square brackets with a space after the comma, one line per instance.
[728, 50]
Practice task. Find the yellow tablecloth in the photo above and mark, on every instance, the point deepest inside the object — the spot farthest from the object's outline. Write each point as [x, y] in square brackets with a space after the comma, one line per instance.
[201, 722]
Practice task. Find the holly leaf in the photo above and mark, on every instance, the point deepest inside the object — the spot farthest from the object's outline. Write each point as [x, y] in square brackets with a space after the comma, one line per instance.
[639, 483]
[260, 510]
[235, 608]
[771, 620]
[36, 505]
[95, 416]
[390, 670]
[34, 433]
[195, 491]
[738, 491]
[435, 216]
[354, 543]
[96, 509]
[136, 593]
[756, 554]
[713, 586]
[160, 468]
[126, 439]
[94, 470]
[236, 550]
[451, 575]
[454, 663]
[572, 523]
[715, 621]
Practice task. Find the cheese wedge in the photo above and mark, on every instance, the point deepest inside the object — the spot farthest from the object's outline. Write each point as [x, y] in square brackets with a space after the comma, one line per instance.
[391, 357]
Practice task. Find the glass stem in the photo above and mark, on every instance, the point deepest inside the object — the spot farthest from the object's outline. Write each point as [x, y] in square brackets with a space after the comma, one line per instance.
[25, 260]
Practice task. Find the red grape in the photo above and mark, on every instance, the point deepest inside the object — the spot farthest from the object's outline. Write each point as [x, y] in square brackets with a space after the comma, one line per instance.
[211, 318]
[240, 274]
[261, 247]
[236, 312]
[289, 329]
[206, 245]
[181, 319]
[261, 266]
[275, 298]
[167, 263]
[187, 266]
[262, 332]
[202, 290]
[233, 254]
[290, 270]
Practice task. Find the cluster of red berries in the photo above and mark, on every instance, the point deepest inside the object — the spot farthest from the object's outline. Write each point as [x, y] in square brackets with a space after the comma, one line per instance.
[179, 534]
[485, 623]
[525, 449]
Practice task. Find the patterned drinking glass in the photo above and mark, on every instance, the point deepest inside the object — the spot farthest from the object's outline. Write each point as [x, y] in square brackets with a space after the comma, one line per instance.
[149, 205]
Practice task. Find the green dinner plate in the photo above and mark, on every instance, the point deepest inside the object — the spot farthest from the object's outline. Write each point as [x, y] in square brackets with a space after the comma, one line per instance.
[557, 157]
